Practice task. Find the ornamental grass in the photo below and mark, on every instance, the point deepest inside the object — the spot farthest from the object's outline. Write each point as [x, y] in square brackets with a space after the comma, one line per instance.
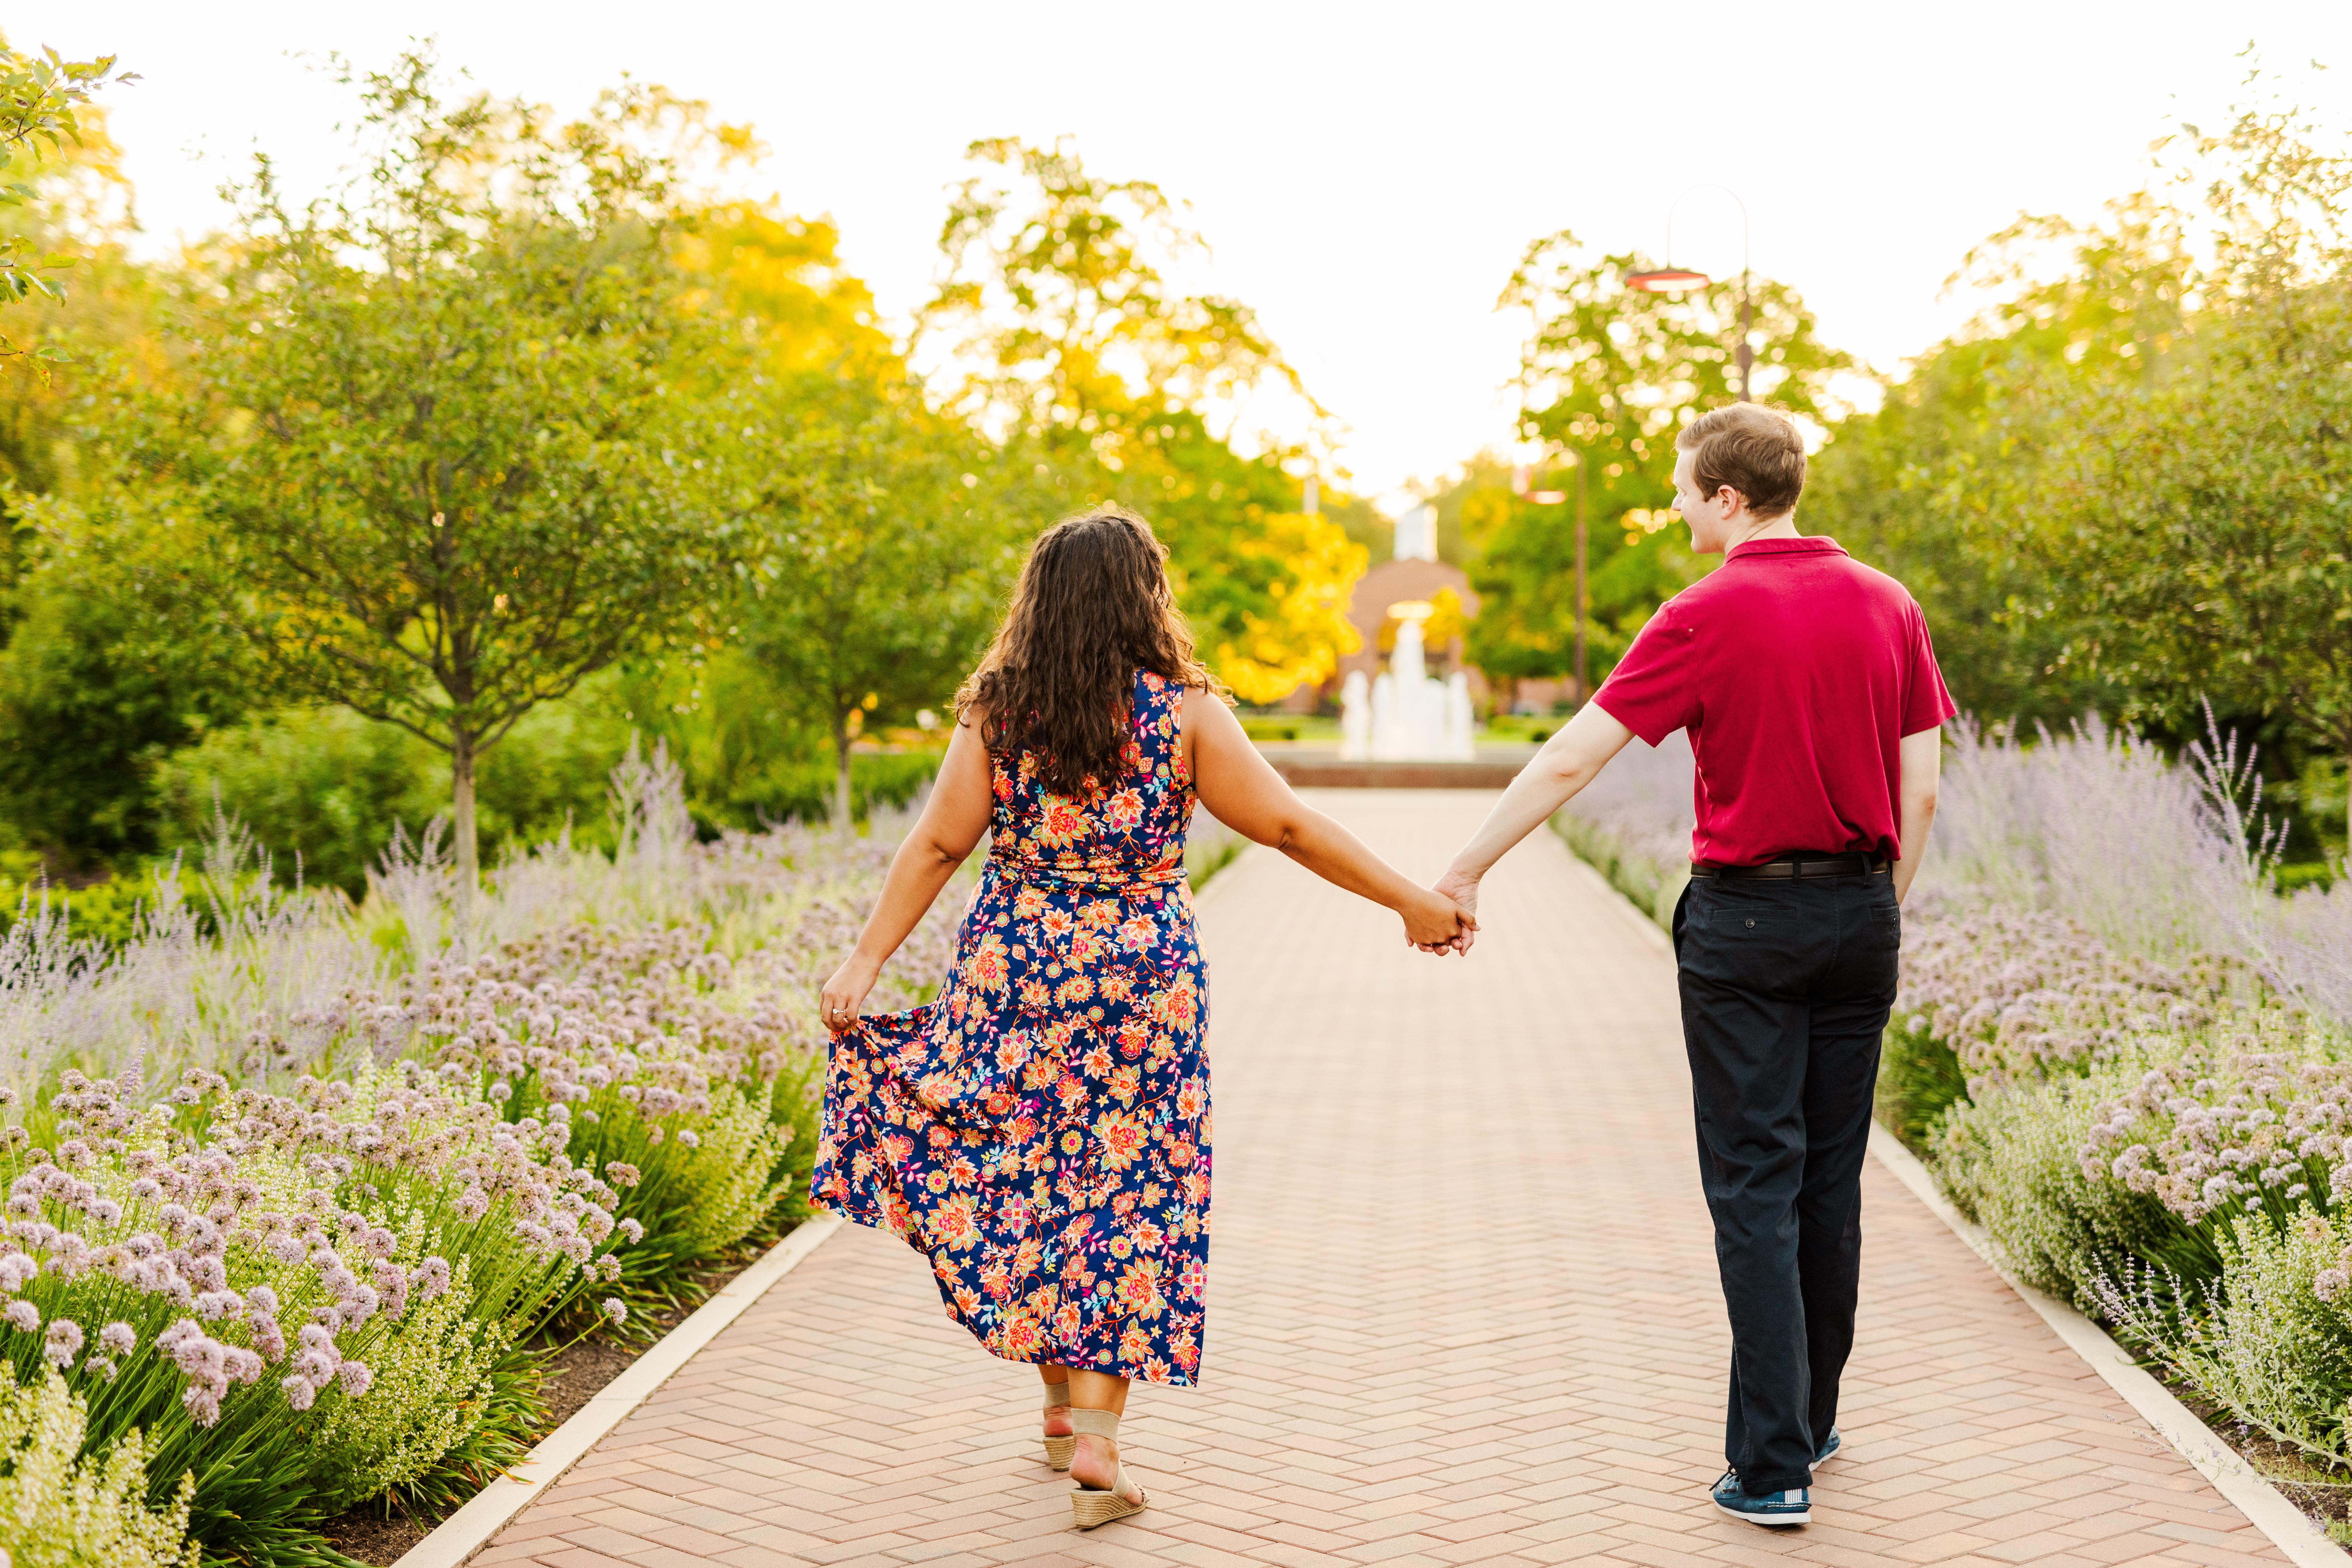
[298, 1190]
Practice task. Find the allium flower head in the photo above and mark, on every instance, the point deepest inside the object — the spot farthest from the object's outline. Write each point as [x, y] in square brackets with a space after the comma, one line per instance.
[118, 1337]
[613, 1307]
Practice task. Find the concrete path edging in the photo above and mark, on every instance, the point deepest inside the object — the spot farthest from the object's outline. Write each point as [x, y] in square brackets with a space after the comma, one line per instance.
[471, 1527]
[2288, 1527]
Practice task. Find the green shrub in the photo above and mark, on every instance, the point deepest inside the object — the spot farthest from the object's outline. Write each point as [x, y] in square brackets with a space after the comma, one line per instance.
[61, 1509]
[801, 789]
[326, 786]
[1919, 1078]
[104, 911]
[83, 706]
[318, 787]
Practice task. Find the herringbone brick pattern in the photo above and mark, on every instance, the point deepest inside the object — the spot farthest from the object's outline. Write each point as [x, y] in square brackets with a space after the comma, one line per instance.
[1463, 1308]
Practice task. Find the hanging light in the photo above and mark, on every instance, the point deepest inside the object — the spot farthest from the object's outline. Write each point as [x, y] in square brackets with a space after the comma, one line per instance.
[1666, 281]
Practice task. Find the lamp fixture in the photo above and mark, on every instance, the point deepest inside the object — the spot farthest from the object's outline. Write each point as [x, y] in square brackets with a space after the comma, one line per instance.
[1666, 281]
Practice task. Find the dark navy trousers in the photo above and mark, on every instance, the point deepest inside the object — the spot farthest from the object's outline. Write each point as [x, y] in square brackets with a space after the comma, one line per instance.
[1786, 986]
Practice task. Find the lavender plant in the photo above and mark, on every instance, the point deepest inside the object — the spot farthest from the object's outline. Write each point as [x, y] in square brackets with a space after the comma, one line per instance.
[291, 1182]
[2158, 1071]
[1633, 823]
[2268, 1338]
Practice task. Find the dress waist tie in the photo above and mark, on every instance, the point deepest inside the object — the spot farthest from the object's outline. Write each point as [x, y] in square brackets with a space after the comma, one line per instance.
[1117, 881]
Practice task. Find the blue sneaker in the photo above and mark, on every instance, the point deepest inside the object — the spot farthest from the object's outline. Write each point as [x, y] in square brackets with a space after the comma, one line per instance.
[1829, 1449]
[1775, 1511]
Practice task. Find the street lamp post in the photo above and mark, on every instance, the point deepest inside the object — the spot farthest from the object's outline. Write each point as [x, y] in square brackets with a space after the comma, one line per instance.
[1520, 480]
[1583, 680]
[1673, 279]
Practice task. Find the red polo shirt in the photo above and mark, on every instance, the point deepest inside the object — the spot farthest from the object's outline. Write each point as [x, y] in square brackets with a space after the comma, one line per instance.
[1796, 669]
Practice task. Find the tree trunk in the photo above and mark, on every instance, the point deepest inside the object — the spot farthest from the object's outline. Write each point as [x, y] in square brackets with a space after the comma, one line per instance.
[461, 816]
[842, 820]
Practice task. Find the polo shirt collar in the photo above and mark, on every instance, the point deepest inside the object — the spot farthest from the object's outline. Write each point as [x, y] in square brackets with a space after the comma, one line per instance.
[1814, 544]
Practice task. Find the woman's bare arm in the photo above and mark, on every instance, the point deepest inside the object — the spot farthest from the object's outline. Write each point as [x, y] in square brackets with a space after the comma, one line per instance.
[943, 838]
[1242, 790]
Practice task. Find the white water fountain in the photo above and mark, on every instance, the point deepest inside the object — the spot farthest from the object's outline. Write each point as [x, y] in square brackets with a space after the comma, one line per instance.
[1409, 716]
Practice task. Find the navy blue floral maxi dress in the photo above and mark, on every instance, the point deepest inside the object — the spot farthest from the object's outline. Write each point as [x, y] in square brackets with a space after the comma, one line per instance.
[1041, 1131]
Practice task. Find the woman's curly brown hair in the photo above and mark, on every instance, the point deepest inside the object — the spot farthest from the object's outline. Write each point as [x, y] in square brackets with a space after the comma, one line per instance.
[1092, 607]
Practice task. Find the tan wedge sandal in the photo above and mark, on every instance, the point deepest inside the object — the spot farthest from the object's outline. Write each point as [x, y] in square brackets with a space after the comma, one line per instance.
[1093, 1506]
[1058, 1449]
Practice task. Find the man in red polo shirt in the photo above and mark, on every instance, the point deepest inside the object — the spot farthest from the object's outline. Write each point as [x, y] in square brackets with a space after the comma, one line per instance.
[1814, 709]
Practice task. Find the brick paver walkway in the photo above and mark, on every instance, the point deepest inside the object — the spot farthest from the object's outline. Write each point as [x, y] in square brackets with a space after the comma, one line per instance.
[1463, 1308]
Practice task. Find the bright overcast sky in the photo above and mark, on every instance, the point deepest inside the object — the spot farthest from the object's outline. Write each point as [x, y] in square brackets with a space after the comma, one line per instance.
[1367, 173]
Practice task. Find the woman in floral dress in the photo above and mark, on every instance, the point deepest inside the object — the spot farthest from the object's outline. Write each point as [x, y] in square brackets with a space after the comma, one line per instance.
[1041, 1131]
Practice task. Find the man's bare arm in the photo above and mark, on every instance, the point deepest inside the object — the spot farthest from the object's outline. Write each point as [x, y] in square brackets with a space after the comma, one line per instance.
[1922, 759]
[1577, 752]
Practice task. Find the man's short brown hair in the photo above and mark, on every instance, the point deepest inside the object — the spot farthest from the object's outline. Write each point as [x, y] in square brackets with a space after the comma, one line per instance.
[1755, 448]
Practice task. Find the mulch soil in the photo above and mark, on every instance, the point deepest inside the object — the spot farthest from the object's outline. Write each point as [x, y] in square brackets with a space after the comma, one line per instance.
[577, 1374]
[2324, 1497]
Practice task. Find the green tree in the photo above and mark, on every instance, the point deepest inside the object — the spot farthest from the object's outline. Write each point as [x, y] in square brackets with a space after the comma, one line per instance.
[1611, 374]
[1609, 377]
[88, 702]
[434, 462]
[42, 98]
[82, 704]
[1057, 309]
[2126, 487]
[2200, 515]
[885, 547]
[1943, 483]
[1521, 558]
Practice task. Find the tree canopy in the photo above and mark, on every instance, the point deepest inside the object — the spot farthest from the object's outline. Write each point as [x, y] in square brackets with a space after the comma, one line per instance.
[1063, 332]
[430, 460]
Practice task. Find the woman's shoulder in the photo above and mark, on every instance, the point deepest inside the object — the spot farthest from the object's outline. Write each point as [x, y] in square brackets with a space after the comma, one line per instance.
[1151, 680]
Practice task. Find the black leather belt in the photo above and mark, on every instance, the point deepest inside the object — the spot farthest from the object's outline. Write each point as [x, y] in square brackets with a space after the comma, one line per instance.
[1855, 865]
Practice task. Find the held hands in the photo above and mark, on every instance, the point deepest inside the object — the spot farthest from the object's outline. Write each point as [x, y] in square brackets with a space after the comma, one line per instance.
[1436, 923]
[837, 1004]
[1461, 889]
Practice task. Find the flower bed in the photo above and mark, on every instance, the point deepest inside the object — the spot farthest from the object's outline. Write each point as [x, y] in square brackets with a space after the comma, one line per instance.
[2123, 1053]
[298, 1191]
